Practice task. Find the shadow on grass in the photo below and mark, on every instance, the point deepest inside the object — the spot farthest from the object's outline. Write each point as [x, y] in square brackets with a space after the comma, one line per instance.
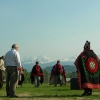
[56, 96]
[45, 96]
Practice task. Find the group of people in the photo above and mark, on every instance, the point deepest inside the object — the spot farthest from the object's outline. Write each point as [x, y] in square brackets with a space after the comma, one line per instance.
[58, 75]
[14, 72]
[87, 65]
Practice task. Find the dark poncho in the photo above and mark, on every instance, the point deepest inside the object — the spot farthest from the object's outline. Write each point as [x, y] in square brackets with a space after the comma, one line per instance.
[88, 68]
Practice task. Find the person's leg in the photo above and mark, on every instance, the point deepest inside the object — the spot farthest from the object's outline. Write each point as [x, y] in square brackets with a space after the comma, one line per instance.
[17, 84]
[38, 81]
[13, 80]
[35, 80]
[89, 91]
[60, 80]
[7, 81]
[22, 79]
[55, 80]
[85, 92]
[0, 79]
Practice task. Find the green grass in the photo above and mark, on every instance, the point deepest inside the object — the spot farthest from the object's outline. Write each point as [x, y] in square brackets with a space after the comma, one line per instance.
[47, 92]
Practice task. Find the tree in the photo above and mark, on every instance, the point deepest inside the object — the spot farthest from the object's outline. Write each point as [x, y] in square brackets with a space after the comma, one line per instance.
[46, 76]
[27, 76]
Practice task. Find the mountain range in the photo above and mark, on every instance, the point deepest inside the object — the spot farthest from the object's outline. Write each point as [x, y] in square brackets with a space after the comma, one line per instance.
[45, 62]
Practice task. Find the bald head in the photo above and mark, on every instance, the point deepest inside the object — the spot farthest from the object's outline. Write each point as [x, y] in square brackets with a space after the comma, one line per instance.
[15, 46]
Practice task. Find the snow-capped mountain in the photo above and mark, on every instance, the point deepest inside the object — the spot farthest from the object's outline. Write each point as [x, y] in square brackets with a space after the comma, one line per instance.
[44, 59]
[40, 59]
[28, 62]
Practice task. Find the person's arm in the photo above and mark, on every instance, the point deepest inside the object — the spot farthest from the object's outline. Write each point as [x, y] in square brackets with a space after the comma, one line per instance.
[1, 62]
[41, 70]
[17, 59]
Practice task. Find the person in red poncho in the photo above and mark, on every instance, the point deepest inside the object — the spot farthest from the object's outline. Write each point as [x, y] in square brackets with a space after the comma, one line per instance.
[88, 68]
[37, 75]
[58, 75]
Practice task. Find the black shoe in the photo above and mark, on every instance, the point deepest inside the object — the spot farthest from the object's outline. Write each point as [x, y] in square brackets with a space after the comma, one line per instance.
[55, 85]
[7, 95]
[84, 94]
[15, 96]
[60, 84]
[90, 93]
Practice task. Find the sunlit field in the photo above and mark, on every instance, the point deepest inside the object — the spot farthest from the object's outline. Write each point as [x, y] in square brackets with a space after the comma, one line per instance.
[47, 92]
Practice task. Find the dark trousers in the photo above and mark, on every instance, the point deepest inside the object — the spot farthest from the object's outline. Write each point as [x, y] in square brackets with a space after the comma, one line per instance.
[1, 78]
[58, 79]
[11, 79]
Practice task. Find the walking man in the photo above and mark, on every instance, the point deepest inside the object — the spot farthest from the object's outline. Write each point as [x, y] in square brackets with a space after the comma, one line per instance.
[37, 75]
[58, 75]
[12, 61]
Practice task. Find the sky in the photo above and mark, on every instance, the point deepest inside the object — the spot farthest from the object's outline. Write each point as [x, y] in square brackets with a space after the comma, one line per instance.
[54, 28]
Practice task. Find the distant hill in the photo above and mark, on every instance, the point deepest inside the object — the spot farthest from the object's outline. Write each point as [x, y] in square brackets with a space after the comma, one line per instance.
[29, 66]
[69, 65]
[68, 68]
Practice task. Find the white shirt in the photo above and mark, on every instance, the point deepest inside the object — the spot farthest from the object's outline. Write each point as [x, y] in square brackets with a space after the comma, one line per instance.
[2, 65]
[12, 58]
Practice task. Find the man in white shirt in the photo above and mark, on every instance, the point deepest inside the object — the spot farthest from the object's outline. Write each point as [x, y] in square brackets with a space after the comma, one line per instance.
[12, 61]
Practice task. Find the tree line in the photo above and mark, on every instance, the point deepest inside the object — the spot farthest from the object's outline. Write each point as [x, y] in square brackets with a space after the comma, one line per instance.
[46, 76]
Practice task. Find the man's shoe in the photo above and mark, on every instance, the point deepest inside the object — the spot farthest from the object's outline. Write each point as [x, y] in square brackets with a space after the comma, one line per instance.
[7, 95]
[90, 93]
[84, 94]
[60, 84]
[55, 85]
[15, 96]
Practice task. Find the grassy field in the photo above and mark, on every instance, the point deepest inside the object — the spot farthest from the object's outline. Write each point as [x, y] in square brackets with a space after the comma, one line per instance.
[47, 92]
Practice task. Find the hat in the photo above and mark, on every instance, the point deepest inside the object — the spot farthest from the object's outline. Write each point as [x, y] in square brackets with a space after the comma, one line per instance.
[87, 45]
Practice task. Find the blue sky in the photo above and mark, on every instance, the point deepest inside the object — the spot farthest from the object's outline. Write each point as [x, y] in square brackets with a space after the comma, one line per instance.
[54, 28]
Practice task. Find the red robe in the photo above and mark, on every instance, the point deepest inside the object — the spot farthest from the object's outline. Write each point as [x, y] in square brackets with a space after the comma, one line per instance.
[37, 70]
[54, 72]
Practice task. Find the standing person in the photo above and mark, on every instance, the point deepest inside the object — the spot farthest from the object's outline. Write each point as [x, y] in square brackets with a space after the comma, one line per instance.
[87, 64]
[58, 75]
[2, 69]
[20, 79]
[21, 76]
[12, 61]
[37, 75]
